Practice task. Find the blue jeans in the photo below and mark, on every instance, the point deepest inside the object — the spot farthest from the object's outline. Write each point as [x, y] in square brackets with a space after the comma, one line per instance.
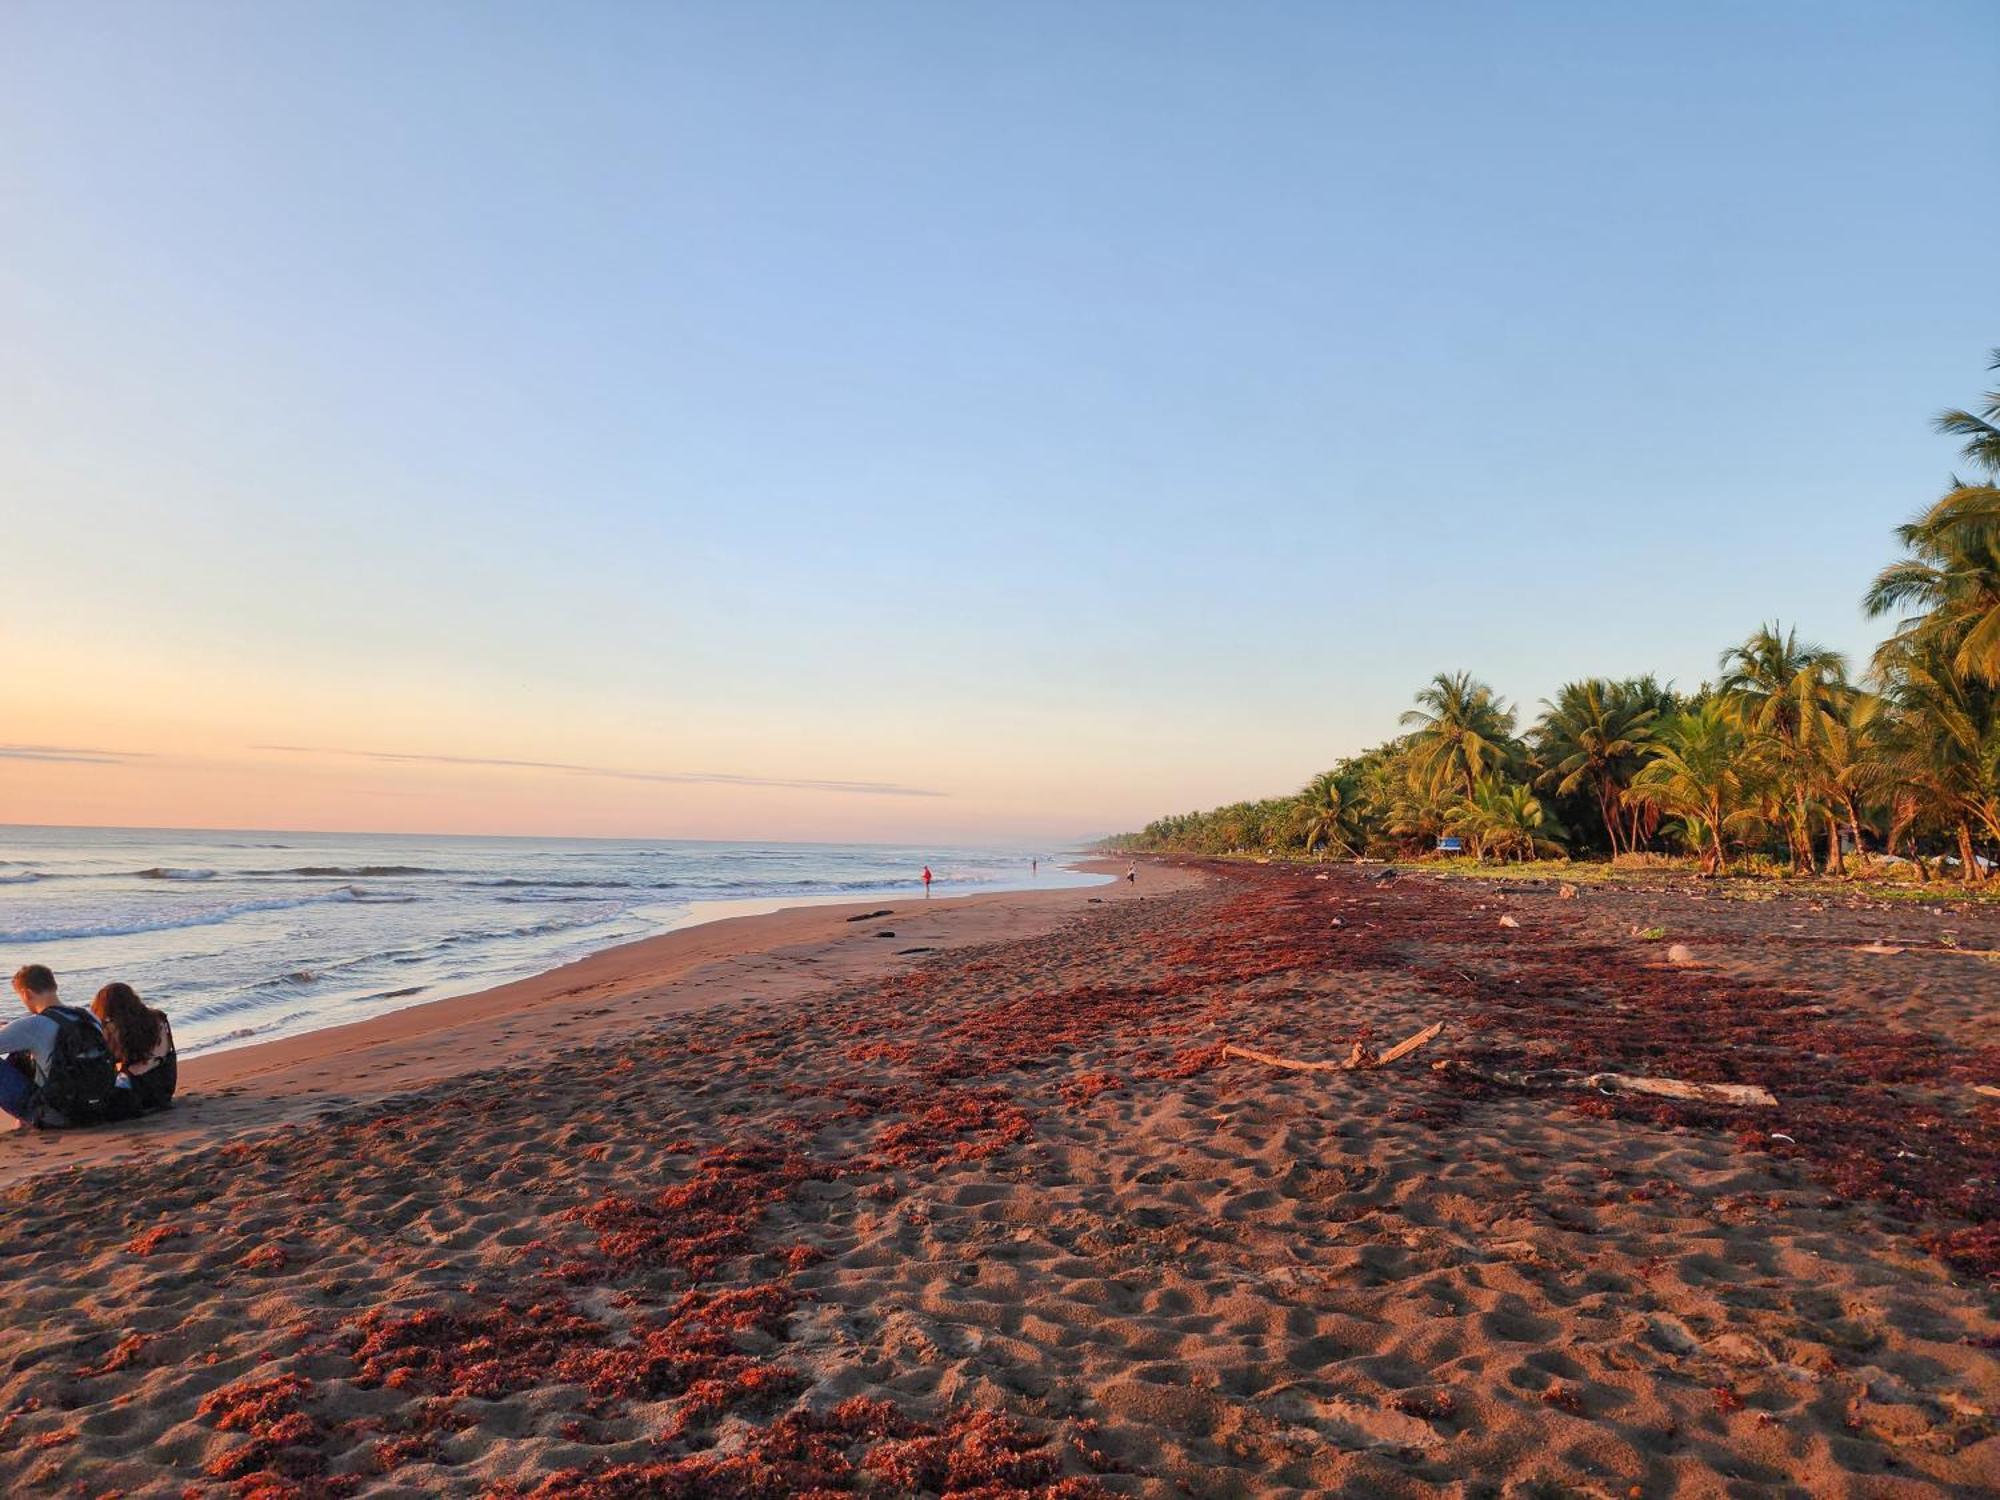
[16, 1089]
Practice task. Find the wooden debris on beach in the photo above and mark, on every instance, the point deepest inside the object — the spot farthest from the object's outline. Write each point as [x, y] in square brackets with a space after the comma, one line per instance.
[1272, 1060]
[1737, 1094]
[1989, 1090]
[1358, 1056]
[1734, 1095]
[1409, 1044]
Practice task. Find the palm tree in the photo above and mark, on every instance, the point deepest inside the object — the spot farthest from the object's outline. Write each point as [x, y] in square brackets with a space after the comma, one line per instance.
[1783, 692]
[1852, 769]
[1699, 777]
[1950, 582]
[1595, 735]
[1325, 817]
[1943, 744]
[1507, 817]
[1463, 732]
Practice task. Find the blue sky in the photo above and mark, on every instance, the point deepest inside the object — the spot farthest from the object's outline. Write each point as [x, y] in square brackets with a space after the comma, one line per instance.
[1081, 410]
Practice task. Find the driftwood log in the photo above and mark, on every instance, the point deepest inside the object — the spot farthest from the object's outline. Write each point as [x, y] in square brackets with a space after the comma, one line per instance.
[1733, 1095]
[1736, 1094]
[1358, 1057]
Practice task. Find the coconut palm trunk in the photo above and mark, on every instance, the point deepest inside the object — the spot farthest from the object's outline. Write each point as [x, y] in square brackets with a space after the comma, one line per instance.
[1968, 859]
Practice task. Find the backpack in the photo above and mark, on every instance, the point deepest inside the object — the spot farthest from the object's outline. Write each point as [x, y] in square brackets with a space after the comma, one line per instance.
[82, 1079]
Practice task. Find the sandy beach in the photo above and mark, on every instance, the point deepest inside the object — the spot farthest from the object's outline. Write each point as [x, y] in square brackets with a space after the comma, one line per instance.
[783, 1206]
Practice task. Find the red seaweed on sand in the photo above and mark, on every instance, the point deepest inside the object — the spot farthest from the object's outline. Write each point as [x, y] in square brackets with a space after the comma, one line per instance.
[697, 1225]
[283, 1437]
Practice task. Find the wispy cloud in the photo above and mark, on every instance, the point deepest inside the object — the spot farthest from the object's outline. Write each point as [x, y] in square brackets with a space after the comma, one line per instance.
[608, 773]
[69, 754]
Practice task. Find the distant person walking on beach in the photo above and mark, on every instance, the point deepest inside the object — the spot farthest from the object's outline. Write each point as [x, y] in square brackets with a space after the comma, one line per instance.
[1132, 872]
[927, 882]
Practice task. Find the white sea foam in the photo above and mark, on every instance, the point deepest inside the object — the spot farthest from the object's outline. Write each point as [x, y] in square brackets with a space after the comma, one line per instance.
[198, 917]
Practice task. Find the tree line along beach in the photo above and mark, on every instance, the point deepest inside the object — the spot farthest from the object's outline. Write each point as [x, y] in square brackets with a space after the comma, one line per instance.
[1790, 759]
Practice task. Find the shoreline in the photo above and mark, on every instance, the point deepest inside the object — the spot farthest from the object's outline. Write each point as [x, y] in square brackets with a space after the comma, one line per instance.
[782, 950]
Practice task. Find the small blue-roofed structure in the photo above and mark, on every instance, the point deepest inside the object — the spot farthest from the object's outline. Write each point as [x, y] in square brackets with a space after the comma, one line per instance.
[1451, 844]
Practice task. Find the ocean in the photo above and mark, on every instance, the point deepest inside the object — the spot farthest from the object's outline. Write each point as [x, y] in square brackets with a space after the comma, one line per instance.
[241, 937]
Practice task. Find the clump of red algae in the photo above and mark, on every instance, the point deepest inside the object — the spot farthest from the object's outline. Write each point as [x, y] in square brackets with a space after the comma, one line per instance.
[1974, 1249]
[695, 1226]
[888, 1052]
[148, 1240]
[485, 1353]
[1185, 1064]
[1019, 1031]
[266, 1258]
[860, 1446]
[283, 1437]
[1432, 1406]
[122, 1355]
[493, 1351]
[959, 1125]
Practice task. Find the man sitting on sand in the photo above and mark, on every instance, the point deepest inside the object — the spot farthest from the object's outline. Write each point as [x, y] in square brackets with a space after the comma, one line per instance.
[54, 1066]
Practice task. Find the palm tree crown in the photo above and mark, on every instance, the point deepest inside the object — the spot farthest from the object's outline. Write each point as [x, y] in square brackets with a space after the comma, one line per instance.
[1463, 732]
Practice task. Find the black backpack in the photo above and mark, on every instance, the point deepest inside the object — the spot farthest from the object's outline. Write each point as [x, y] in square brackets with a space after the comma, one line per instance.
[82, 1081]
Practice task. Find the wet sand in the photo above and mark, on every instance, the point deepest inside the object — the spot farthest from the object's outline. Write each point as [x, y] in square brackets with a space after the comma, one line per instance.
[812, 1216]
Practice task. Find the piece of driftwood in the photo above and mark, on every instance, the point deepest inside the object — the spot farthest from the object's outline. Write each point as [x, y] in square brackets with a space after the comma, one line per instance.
[1358, 1056]
[1539, 1078]
[1987, 1089]
[1735, 1095]
[1272, 1060]
[1409, 1044]
[1738, 1094]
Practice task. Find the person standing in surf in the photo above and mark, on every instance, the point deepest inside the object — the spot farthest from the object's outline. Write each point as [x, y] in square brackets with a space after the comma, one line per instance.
[927, 882]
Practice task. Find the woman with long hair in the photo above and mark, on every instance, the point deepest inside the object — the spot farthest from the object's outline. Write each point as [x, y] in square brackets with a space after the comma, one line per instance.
[142, 1044]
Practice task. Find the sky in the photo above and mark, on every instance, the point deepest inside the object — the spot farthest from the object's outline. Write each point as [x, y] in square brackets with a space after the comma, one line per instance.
[909, 421]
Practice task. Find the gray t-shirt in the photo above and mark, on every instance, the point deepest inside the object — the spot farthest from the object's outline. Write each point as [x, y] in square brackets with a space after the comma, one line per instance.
[34, 1034]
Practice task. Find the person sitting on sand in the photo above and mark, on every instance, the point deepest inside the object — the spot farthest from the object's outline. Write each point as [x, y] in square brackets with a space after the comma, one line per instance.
[55, 1068]
[142, 1044]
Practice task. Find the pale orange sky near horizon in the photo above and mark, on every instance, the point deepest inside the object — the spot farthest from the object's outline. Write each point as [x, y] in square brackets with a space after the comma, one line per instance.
[119, 733]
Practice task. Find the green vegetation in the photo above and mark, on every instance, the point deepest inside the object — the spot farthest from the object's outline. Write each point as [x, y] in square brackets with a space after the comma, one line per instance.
[1788, 755]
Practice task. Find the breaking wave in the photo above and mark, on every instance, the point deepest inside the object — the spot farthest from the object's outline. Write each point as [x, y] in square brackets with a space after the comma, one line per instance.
[201, 917]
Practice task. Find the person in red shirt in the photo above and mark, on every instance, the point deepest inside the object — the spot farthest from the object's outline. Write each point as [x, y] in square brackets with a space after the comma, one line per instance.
[927, 882]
